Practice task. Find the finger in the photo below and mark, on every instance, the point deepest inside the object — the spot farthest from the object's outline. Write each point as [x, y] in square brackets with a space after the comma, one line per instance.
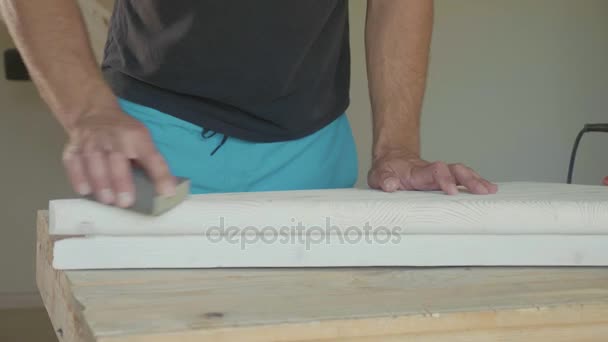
[491, 187]
[156, 168]
[97, 170]
[469, 179]
[73, 164]
[422, 178]
[606, 181]
[473, 184]
[121, 179]
[443, 178]
[389, 182]
[384, 180]
[434, 176]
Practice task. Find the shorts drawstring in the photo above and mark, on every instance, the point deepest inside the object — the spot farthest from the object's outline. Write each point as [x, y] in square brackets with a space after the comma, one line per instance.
[205, 134]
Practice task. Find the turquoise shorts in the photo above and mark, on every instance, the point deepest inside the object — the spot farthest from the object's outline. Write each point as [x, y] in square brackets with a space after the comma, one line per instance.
[326, 159]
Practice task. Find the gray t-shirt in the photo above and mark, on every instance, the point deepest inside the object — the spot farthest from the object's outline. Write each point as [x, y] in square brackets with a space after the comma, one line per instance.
[259, 70]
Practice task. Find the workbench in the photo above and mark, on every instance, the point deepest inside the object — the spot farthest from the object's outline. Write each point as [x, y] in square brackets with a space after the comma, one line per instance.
[364, 304]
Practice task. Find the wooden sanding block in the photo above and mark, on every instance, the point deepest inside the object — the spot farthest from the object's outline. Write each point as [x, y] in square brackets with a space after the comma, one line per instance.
[148, 201]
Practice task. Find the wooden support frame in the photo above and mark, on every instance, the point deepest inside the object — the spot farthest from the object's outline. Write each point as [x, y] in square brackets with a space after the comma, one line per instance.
[54, 287]
[371, 304]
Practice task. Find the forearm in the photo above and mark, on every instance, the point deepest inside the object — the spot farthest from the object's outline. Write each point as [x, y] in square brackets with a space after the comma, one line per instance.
[53, 41]
[398, 35]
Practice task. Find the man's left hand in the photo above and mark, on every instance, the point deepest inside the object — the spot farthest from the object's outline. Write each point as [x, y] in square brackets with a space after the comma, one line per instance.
[402, 170]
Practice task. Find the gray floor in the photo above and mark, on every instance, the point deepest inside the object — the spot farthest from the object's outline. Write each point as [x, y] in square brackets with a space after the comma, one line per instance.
[26, 325]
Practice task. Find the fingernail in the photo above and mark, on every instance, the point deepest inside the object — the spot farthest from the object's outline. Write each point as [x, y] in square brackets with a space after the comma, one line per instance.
[107, 196]
[482, 190]
[391, 185]
[84, 189]
[125, 199]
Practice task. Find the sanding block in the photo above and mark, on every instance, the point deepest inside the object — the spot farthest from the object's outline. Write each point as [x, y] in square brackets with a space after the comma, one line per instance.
[148, 201]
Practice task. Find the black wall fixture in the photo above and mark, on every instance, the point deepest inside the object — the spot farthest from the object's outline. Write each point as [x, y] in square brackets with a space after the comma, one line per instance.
[14, 68]
[586, 129]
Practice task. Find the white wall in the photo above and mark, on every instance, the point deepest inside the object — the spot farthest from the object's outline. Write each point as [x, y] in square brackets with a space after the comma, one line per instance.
[511, 83]
[30, 147]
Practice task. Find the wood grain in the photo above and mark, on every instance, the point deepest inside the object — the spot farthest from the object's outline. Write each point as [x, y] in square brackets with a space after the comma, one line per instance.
[54, 286]
[518, 208]
[371, 304]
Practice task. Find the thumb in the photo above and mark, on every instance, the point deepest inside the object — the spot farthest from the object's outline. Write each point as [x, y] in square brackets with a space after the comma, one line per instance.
[391, 184]
[386, 181]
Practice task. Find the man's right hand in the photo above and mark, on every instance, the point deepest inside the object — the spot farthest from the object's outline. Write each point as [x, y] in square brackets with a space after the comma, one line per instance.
[103, 140]
[101, 149]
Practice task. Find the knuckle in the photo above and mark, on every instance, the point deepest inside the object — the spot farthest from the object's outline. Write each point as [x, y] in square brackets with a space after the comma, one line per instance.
[68, 155]
[116, 155]
[89, 147]
[157, 162]
[90, 152]
[438, 166]
[459, 166]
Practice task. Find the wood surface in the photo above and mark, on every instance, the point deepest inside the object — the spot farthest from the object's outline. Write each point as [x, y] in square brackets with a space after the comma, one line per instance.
[64, 310]
[518, 208]
[547, 225]
[369, 304]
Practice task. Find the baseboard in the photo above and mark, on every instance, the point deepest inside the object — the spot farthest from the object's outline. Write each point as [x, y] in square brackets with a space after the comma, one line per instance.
[20, 300]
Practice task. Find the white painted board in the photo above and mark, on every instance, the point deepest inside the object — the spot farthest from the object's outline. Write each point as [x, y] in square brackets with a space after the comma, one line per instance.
[518, 208]
[125, 252]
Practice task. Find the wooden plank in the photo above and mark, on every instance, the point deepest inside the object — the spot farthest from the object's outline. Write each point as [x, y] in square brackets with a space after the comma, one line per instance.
[518, 208]
[344, 227]
[186, 251]
[371, 304]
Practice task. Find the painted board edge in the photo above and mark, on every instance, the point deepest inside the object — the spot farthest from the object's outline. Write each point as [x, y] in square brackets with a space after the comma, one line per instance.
[113, 252]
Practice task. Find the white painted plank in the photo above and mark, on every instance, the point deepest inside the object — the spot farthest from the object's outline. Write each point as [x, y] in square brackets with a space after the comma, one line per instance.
[518, 208]
[117, 252]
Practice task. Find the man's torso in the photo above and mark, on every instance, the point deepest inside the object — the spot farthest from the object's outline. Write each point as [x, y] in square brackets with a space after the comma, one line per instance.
[264, 70]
